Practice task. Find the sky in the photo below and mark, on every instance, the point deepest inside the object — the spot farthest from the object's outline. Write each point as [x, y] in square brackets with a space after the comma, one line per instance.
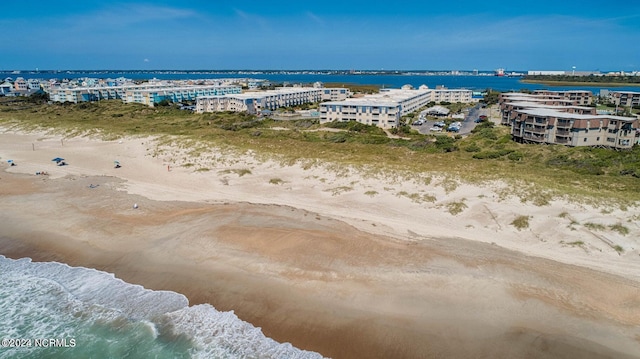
[343, 35]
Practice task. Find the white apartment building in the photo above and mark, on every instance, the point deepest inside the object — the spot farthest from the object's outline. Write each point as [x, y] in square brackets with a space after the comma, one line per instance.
[451, 95]
[147, 93]
[256, 102]
[383, 109]
[335, 94]
[150, 97]
[95, 93]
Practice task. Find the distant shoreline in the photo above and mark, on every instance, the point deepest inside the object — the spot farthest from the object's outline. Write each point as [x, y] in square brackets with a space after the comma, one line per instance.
[578, 83]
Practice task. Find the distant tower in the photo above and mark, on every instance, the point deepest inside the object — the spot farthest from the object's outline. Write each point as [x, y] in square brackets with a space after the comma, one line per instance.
[475, 72]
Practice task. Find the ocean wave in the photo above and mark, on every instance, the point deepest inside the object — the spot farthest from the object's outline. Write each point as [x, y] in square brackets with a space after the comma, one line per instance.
[107, 316]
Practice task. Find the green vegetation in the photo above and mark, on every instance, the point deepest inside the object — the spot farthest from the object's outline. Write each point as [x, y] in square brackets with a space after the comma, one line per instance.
[576, 243]
[618, 227]
[595, 226]
[521, 222]
[240, 172]
[276, 181]
[371, 193]
[355, 88]
[456, 208]
[339, 190]
[563, 80]
[534, 173]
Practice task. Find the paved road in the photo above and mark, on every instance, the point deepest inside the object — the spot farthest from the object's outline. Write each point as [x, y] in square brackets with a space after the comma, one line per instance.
[468, 123]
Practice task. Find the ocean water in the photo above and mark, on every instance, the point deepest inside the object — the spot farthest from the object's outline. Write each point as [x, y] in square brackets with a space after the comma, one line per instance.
[475, 83]
[52, 310]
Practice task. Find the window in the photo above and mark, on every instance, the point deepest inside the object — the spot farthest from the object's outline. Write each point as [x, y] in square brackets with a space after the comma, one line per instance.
[585, 139]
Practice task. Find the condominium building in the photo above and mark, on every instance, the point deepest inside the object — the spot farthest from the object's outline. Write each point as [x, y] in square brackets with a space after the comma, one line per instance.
[383, 109]
[95, 93]
[577, 97]
[546, 125]
[442, 94]
[335, 94]
[258, 101]
[509, 102]
[150, 97]
[557, 117]
[147, 93]
[625, 98]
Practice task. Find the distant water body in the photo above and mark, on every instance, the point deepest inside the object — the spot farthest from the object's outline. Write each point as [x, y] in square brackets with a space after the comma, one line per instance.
[51, 310]
[475, 83]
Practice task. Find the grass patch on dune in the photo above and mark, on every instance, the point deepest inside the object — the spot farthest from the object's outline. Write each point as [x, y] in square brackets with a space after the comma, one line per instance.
[240, 172]
[455, 208]
[594, 226]
[521, 222]
[618, 227]
[276, 181]
[536, 174]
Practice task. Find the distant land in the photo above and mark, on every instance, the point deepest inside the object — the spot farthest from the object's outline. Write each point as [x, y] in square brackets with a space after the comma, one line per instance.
[565, 80]
[268, 72]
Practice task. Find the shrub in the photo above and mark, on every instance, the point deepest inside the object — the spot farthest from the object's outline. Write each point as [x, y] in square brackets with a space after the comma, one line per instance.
[456, 207]
[521, 222]
[515, 156]
[619, 228]
[472, 148]
[595, 226]
[371, 193]
[446, 143]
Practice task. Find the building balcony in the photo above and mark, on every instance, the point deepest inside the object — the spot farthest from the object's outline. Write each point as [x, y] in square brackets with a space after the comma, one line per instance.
[533, 137]
[538, 130]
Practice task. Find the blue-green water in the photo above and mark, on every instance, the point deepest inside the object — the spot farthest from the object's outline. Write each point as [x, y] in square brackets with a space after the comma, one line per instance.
[51, 310]
[476, 83]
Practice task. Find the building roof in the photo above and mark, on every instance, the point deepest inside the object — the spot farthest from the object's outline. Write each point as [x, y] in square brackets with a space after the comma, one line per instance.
[548, 112]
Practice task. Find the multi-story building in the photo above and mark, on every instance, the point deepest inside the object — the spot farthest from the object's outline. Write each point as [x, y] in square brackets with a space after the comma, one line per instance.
[21, 85]
[441, 94]
[383, 109]
[577, 97]
[508, 102]
[545, 125]
[147, 93]
[335, 94]
[152, 96]
[560, 117]
[258, 101]
[625, 98]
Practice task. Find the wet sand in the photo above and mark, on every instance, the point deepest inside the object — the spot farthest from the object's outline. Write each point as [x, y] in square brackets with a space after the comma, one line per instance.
[322, 284]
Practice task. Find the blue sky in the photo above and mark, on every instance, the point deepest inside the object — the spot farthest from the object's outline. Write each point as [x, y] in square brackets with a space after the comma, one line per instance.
[400, 35]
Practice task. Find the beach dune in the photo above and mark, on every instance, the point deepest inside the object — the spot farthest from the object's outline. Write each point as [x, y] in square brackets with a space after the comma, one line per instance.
[348, 277]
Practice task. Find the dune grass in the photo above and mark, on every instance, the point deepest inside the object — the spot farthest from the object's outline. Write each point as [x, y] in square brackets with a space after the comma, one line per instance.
[534, 173]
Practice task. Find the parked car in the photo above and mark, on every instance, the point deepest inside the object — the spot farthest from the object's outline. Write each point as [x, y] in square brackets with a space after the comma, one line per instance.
[453, 128]
[478, 120]
[439, 124]
[418, 123]
[435, 129]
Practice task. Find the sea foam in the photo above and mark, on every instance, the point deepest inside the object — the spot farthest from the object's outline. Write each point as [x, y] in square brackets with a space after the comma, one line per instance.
[107, 317]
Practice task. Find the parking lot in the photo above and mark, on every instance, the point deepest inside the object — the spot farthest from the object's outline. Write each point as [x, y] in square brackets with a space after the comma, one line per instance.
[429, 126]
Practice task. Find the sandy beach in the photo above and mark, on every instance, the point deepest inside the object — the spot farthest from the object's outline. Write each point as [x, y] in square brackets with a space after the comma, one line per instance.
[345, 262]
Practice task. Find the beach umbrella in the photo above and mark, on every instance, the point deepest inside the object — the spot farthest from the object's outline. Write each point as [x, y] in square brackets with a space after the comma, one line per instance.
[9, 161]
[57, 159]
